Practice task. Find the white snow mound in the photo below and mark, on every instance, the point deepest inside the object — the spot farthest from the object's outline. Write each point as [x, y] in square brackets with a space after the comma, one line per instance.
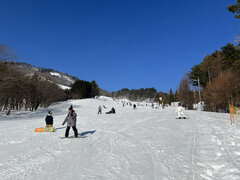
[55, 74]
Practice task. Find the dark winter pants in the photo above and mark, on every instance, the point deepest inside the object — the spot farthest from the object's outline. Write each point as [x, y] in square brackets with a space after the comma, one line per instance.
[74, 129]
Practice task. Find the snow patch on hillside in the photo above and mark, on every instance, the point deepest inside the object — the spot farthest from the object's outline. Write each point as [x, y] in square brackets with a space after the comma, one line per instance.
[69, 79]
[55, 74]
[63, 87]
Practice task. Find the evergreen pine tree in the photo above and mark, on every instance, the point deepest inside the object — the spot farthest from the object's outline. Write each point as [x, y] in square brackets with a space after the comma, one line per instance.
[235, 8]
[95, 89]
[171, 97]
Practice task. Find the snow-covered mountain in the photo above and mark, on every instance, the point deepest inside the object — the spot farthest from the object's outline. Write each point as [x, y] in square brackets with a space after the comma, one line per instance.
[141, 144]
[63, 80]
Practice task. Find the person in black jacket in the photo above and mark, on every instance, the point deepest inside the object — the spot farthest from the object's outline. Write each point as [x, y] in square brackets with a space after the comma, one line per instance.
[49, 120]
[111, 112]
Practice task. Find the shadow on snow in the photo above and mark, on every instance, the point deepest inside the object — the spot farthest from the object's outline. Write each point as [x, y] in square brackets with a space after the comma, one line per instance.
[86, 133]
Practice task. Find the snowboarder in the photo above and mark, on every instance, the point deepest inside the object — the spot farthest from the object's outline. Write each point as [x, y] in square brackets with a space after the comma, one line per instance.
[71, 120]
[49, 120]
[99, 110]
[111, 112]
[179, 110]
[134, 106]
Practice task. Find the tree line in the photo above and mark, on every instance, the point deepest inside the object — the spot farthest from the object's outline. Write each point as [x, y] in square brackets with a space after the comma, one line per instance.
[84, 89]
[143, 94]
[136, 94]
[19, 91]
[218, 75]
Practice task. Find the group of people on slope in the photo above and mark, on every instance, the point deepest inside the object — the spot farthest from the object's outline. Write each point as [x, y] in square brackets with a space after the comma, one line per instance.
[71, 118]
[112, 111]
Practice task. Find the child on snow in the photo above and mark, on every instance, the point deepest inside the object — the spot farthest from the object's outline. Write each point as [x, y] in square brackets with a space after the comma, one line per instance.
[49, 120]
[179, 110]
[71, 120]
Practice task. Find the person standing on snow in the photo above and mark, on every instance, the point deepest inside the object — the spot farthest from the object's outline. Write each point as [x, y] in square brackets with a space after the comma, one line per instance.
[71, 120]
[99, 110]
[49, 120]
[179, 110]
[134, 106]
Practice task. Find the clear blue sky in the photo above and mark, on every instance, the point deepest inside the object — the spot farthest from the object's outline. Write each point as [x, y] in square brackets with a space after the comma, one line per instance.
[118, 43]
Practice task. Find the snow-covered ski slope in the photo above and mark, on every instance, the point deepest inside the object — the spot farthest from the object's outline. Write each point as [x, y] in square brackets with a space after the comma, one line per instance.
[144, 144]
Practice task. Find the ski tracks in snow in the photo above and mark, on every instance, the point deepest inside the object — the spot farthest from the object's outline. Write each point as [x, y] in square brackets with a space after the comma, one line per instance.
[133, 144]
[40, 146]
[230, 155]
[193, 149]
[123, 141]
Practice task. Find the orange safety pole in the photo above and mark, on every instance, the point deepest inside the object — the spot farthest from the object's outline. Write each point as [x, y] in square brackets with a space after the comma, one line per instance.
[230, 111]
[233, 111]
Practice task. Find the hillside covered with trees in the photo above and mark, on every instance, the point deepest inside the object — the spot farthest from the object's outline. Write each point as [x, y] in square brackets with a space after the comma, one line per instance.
[20, 91]
[217, 77]
[136, 94]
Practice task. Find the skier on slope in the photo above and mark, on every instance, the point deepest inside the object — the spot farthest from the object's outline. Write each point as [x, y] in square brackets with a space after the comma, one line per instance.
[71, 120]
[49, 120]
[99, 110]
[179, 110]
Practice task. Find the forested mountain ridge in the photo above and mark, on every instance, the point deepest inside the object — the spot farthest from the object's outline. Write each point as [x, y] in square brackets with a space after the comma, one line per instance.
[63, 80]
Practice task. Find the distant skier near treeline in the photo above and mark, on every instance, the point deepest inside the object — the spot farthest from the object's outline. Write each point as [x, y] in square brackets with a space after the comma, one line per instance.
[71, 120]
[49, 120]
[179, 110]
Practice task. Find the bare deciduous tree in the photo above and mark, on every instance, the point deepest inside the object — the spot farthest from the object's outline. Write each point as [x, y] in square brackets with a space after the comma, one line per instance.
[185, 95]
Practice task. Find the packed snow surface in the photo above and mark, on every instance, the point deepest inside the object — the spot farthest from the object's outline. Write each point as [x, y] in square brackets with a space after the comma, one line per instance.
[144, 144]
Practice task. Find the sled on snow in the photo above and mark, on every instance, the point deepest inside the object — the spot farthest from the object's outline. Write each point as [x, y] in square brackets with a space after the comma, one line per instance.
[46, 129]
